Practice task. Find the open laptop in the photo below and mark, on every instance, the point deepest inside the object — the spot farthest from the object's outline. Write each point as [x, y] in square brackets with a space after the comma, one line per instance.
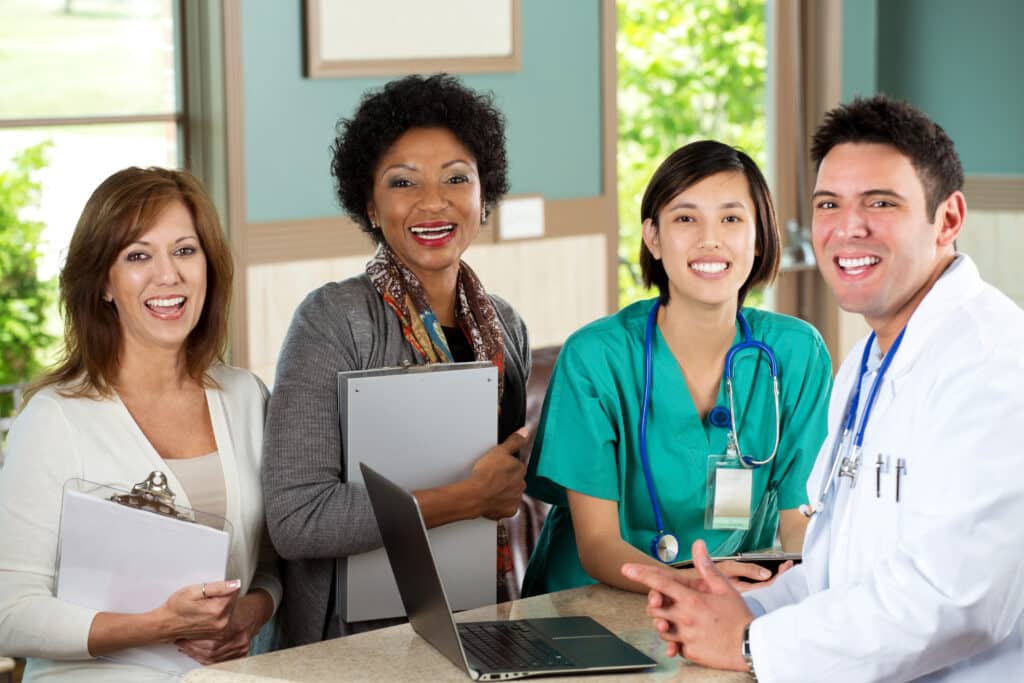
[486, 650]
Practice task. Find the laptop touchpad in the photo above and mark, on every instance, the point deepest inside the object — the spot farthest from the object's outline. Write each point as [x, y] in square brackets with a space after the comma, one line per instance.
[584, 640]
[592, 651]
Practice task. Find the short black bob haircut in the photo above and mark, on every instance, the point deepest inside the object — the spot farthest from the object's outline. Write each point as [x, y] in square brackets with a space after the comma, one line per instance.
[686, 167]
[886, 121]
[383, 116]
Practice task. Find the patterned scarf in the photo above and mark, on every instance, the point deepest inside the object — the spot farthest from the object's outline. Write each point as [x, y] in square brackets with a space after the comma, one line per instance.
[474, 312]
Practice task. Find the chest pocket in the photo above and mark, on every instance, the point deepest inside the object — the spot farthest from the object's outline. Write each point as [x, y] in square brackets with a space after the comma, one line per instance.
[886, 469]
[872, 519]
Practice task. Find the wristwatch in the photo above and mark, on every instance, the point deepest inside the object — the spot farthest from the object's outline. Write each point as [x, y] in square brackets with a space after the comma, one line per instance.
[745, 651]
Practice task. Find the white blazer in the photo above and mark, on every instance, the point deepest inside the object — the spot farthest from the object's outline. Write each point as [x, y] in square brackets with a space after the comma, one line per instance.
[931, 587]
[55, 439]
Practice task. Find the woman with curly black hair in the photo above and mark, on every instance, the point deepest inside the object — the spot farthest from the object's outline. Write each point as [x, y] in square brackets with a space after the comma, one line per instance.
[418, 167]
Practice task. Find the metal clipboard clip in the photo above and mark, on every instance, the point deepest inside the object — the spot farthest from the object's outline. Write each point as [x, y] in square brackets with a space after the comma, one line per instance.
[154, 495]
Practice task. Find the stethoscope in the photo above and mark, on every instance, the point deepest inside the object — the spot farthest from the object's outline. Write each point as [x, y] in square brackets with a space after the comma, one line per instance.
[848, 464]
[664, 545]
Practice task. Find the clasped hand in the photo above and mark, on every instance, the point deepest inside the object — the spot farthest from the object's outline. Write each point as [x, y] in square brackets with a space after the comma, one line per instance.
[215, 627]
[700, 616]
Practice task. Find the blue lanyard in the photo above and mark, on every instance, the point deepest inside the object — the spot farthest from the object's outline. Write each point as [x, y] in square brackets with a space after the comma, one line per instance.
[851, 415]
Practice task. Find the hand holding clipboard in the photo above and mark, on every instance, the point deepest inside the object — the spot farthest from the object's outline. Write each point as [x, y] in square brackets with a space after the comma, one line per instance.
[136, 552]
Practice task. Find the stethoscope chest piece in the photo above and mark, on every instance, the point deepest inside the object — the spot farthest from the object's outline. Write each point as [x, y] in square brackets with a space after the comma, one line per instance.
[665, 547]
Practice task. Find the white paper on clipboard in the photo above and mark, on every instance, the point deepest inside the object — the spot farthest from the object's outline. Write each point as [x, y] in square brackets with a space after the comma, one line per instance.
[426, 425]
[116, 558]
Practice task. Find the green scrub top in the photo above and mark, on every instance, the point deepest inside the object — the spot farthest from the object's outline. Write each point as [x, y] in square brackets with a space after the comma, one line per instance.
[588, 437]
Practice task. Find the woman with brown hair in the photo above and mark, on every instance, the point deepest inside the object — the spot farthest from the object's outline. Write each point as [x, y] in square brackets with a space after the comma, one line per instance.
[141, 386]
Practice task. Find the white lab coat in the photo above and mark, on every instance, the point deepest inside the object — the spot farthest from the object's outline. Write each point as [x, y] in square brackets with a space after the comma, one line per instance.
[931, 587]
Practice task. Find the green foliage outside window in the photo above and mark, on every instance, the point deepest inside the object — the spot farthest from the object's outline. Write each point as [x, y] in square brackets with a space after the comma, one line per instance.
[687, 71]
[25, 300]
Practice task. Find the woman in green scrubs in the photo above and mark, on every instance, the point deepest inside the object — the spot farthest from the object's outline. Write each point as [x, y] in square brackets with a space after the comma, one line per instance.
[709, 236]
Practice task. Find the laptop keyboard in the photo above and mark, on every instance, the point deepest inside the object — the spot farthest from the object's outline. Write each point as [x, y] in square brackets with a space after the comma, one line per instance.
[510, 645]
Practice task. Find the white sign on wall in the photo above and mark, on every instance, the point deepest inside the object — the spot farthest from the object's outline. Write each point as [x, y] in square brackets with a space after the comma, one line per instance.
[346, 38]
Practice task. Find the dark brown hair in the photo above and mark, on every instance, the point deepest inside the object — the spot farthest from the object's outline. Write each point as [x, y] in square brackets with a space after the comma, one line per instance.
[686, 167]
[119, 211]
[885, 121]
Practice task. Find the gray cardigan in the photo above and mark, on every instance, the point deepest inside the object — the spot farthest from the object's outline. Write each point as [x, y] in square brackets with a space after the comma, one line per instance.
[313, 515]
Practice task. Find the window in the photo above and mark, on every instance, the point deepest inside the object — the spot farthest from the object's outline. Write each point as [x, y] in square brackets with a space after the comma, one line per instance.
[686, 71]
[100, 81]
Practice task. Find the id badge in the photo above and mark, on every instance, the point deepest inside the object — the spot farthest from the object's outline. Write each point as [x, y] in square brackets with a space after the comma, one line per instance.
[729, 491]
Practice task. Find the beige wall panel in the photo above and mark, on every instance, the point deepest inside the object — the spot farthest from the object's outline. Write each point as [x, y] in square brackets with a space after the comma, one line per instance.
[1005, 272]
[995, 240]
[557, 285]
[274, 292]
[852, 328]
[978, 239]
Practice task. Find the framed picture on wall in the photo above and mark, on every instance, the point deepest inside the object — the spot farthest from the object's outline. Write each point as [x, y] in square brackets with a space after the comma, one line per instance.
[347, 38]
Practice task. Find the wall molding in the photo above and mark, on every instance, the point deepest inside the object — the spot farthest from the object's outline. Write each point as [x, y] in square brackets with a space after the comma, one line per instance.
[236, 213]
[994, 193]
[340, 237]
[610, 145]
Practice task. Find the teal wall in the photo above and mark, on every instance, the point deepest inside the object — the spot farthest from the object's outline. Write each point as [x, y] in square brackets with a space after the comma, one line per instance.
[552, 105]
[860, 48]
[961, 62]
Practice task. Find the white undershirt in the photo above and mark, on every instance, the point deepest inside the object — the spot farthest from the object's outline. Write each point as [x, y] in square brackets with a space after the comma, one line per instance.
[202, 478]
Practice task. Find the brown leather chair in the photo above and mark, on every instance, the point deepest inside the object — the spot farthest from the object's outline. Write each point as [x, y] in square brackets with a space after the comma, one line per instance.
[6, 670]
[525, 526]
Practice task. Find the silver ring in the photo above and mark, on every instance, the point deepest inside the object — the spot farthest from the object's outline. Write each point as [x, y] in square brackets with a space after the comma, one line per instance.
[204, 591]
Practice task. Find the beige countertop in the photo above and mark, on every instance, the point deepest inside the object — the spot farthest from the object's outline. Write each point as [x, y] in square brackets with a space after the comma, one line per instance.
[397, 653]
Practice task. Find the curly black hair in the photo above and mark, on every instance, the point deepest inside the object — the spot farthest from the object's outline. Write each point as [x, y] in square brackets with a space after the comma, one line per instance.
[383, 116]
[886, 121]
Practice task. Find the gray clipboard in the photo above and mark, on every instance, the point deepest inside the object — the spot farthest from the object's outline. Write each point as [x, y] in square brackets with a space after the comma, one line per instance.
[427, 424]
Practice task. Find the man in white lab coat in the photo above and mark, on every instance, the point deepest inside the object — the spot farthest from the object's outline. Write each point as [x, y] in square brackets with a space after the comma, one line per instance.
[914, 557]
